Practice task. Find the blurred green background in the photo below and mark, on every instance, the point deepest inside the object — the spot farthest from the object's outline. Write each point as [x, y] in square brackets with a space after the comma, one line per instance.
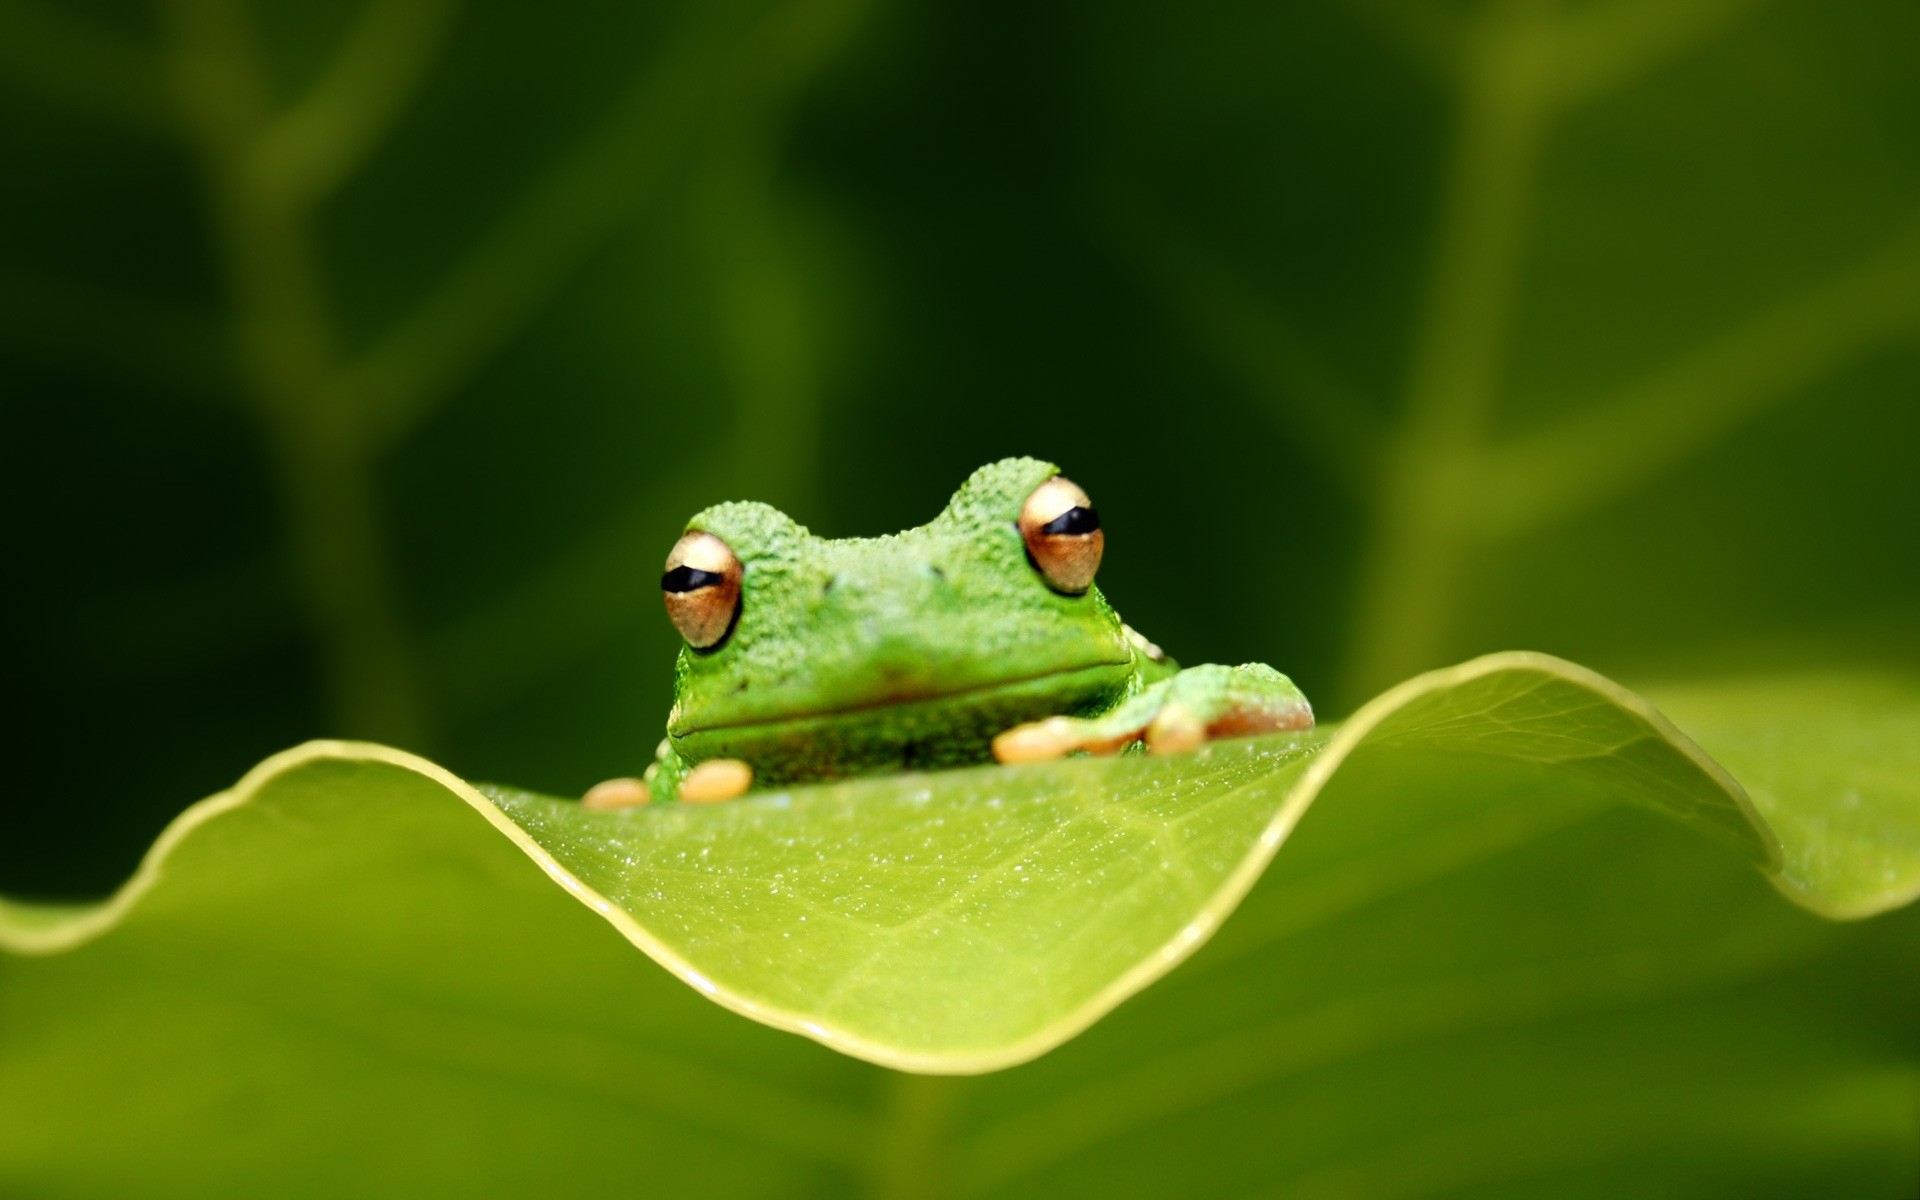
[361, 360]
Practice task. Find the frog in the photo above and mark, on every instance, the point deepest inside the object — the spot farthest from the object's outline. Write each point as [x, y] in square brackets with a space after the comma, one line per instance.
[977, 637]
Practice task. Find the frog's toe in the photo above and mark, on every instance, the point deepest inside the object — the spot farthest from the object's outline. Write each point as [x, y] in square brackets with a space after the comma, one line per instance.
[1264, 718]
[1178, 728]
[716, 779]
[1036, 741]
[617, 793]
[1175, 728]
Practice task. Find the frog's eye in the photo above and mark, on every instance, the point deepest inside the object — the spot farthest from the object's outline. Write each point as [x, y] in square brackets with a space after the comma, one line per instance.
[1063, 535]
[702, 587]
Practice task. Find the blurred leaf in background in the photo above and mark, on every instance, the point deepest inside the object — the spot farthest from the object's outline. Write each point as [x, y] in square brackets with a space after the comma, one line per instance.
[362, 359]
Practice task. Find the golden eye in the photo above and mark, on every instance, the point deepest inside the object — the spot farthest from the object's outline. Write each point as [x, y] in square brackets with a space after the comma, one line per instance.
[702, 587]
[1063, 535]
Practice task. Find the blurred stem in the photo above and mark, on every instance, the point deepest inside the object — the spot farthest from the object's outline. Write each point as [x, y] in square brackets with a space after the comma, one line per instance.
[1440, 492]
[311, 148]
[1588, 459]
[761, 310]
[575, 601]
[1425, 505]
[917, 1123]
[287, 359]
[588, 195]
[1607, 45]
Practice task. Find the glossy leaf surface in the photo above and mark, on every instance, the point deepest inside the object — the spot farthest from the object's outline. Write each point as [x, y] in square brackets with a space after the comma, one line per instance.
[343, 961]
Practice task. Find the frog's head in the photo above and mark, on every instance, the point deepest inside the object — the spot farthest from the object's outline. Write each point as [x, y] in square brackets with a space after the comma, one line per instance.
[811, 657]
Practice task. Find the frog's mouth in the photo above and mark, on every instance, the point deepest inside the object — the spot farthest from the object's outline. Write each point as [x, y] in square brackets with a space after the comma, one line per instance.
[913, 726]
[1067, 680]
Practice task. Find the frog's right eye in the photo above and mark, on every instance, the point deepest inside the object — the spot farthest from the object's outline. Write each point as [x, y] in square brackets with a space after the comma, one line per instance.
[702, 589]
[1063, 535]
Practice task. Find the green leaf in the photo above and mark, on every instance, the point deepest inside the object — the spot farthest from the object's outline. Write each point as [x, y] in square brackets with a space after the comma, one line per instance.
[1833, 763]
[340, 932]
[967, 921]
[970, 920]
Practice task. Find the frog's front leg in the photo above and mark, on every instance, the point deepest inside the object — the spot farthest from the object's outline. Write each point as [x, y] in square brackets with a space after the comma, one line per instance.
[1178, 713]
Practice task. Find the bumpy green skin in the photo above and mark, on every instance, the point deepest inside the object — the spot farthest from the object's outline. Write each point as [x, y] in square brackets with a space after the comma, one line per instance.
[912, 651]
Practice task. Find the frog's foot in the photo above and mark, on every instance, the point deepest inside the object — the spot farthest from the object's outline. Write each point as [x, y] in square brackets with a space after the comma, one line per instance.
[617, 793]
[1195, 706]
[716, 779]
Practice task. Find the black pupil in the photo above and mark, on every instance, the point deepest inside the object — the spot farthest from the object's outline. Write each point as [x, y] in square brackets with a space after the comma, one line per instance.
[689, 579]
[1074, 520]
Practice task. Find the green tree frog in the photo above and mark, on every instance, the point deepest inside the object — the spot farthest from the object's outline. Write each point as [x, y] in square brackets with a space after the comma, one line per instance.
[977, 636]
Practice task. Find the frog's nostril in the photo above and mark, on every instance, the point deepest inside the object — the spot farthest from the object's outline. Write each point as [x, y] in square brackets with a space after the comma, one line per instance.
[828, 585]
[936, 573]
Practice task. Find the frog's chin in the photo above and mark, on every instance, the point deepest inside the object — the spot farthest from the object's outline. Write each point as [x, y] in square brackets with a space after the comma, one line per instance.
[895, 731]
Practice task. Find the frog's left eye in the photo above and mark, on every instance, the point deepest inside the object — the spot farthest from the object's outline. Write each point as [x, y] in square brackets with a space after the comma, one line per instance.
[1063, 535]
[702, 588]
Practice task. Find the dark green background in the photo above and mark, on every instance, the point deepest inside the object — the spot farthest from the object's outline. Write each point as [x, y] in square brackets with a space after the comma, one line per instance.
[1382, 333]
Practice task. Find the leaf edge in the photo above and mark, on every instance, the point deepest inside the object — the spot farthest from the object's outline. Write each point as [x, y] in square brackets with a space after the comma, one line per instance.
[39, 931]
